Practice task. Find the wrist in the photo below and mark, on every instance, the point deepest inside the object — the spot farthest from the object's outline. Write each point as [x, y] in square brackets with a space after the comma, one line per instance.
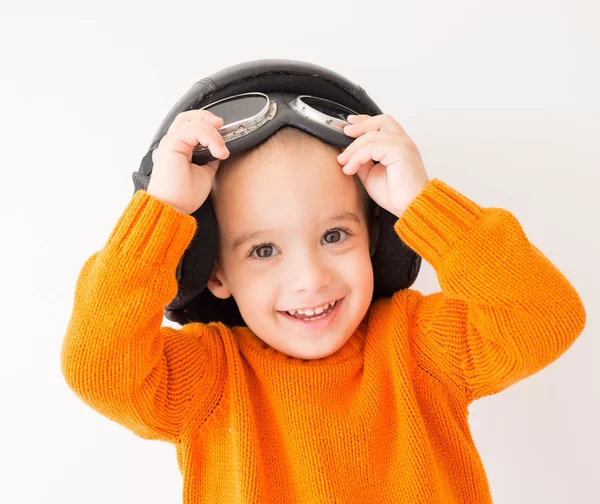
[165, 202]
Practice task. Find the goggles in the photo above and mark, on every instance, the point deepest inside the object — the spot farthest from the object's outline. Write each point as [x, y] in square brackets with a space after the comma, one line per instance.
[250, 118]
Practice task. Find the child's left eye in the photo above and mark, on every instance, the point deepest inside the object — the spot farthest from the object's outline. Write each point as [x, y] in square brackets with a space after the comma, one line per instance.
[334, 231]
[266, 245]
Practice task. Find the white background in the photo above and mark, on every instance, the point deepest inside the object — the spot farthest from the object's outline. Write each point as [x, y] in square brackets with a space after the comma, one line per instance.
[500, 97]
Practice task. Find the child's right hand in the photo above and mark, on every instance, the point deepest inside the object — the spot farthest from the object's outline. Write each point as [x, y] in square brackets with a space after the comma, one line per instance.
[175, 180]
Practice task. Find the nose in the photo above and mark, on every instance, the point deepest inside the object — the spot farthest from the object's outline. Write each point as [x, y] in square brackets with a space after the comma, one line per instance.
[310, 272]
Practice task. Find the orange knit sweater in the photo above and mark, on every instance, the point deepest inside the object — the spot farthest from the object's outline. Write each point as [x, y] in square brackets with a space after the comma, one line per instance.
[383, 420]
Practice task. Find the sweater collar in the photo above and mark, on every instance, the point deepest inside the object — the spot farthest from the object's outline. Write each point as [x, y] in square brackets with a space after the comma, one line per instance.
[257, 351]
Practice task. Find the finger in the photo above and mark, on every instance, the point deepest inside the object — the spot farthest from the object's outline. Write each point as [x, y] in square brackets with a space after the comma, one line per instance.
[354, 118]
[196, 125]
[361, 157]
[210, 127]
[381, 122]
[369, 136]
[195, 114]
[373, 151]
[192, 115]
[184, 139]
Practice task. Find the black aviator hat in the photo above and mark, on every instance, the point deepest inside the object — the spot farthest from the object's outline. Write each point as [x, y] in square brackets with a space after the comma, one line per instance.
[283, 93]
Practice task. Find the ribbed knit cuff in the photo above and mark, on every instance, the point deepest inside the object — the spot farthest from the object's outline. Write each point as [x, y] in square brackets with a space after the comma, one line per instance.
[152, 231]
[436, 220]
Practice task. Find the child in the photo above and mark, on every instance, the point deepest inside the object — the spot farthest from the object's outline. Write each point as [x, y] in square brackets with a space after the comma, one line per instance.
[364, 402]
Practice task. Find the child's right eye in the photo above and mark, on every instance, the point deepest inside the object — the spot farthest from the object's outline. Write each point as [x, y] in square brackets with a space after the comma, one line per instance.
[262, 246]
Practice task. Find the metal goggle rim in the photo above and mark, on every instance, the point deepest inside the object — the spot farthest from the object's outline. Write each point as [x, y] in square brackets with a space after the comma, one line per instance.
[247, 125]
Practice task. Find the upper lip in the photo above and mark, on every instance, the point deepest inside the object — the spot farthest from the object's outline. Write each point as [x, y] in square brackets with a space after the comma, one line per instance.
[315, 306]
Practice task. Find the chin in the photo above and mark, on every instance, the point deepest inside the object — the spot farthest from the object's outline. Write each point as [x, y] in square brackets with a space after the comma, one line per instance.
[313, 352]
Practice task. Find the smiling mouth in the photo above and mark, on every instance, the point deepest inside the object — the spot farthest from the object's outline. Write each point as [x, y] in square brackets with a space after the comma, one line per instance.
[307, 318]
[314, 316]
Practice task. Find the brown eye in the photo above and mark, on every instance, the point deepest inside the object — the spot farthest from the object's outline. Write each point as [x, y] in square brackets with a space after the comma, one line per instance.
[330, 233]
[258, 251]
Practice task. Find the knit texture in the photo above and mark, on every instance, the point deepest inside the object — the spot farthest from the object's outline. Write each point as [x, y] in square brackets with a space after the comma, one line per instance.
[384, 419]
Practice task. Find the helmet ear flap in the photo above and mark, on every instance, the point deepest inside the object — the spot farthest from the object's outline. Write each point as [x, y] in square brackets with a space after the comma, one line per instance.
[140, 181]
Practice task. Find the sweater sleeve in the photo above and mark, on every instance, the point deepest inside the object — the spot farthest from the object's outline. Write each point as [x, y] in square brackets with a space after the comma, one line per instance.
[504, 312]
[115, 355]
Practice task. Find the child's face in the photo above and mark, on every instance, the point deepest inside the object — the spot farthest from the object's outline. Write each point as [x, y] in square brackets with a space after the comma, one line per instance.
[308, 261]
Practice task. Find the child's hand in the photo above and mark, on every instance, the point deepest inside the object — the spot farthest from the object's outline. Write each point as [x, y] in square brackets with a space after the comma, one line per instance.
[400, 175]
[177, 181]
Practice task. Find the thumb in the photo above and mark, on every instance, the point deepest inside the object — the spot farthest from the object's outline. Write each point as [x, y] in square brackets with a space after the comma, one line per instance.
[214, 164]
[211, 168]
[203, 175]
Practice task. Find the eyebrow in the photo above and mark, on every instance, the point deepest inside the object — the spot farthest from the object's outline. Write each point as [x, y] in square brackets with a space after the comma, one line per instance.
[240, 240]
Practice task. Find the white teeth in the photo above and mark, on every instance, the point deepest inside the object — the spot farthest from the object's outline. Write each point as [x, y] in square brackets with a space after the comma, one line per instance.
[316, 311]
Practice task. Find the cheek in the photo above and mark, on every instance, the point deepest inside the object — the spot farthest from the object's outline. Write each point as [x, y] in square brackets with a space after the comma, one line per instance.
[363, 273]
[254, 292]
[357, 271]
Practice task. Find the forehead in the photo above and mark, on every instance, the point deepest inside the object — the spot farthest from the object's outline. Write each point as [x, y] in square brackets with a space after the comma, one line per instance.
[295, 187]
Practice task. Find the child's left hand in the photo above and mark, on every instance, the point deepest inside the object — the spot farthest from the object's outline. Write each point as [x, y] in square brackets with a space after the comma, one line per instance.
[400, 175]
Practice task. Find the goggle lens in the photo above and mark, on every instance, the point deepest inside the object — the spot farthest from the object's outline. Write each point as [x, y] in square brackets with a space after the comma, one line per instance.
[238, 108]
[328, 108]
